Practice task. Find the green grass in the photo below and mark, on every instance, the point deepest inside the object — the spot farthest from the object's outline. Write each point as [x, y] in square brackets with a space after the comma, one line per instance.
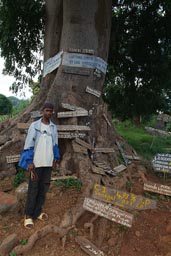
[69, 183]
[145, 144]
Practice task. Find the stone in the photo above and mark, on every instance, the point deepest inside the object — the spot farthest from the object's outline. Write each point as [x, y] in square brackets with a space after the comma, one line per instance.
[8, 244]
[7, 202]
[21, 194]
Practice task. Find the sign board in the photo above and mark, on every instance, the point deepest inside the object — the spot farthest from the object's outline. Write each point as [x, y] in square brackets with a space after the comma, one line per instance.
[162, 163]
[157, 188]
[71, 107]
[63, 178]
[93, 91]
[71, 135]
[12, 159]
[76, 71]
[106, 168]
[104, 150]
[25, 126]
[119, 168]
[109, 212]
[84, 61]
[52, 63]
[88, 247]
[98, 170]
[130, 157]
[72, 113]
[77, 50]
[122, 198]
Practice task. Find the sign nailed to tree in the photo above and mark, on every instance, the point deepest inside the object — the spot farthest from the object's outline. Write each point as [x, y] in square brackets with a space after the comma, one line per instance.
[162, 163]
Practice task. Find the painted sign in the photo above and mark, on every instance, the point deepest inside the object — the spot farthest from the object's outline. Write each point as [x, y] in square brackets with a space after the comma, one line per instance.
[71, 135]
[162, 163]
[157, 188]
[76, 71]
[93, 91]
[122, 198]
[12, 159]
[109, 212]
[72, 113]
[88, 246]
[73, 128]
[52, 63]
[84, 60]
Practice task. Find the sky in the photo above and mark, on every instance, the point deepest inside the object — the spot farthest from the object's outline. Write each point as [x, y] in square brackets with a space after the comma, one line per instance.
[6, 82]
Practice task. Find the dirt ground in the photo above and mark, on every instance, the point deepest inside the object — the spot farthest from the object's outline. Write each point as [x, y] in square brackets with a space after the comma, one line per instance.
[150, 234]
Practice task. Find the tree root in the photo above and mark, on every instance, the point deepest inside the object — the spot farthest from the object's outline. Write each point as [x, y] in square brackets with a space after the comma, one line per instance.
[20, 249]
[90, 225]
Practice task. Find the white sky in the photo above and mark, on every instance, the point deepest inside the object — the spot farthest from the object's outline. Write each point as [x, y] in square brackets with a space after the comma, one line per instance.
[6, 82]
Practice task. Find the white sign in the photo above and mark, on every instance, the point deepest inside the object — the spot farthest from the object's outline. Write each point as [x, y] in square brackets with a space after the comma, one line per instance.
[52, 63]
[84, 60]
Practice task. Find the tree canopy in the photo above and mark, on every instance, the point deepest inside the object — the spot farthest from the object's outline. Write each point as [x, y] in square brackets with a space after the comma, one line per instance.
[139, 77]
[5, 105]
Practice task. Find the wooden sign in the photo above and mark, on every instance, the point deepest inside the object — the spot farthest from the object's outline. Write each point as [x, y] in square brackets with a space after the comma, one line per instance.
[12, 159]
[119, 168]
[108, 212]
[98, 170]
[157, 188]
[88, 247]
[104, 150]
[72, 113]
[76, 71]
[63, 178]
[25, 126]
[122, 198]
[35, 114]
[132, 157]
[162, 163]
[106, 168]
[83, 143]
[70, 107]
[71, 135]
[93, 92]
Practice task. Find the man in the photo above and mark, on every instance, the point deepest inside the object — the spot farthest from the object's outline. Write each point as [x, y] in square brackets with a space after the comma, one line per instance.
[38, 157]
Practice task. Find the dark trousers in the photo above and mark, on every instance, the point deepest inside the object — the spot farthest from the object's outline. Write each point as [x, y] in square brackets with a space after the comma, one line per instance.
[37, 191]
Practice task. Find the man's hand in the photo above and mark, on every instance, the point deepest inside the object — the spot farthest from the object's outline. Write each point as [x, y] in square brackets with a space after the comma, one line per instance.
[32, 172]
[56, 164]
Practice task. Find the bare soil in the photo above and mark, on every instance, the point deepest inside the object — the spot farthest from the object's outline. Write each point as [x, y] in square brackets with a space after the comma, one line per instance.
[150, 234]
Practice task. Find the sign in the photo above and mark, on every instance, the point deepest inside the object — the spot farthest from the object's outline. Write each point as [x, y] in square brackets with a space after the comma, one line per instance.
[132, 157]
[76, 71]
[72, 113]
[88, 247]
[104, 150]
[98, 170]
[157, 188]
[84, 60]
[70, 135]
[25, 126]
[12, 159]
[122, 198]
[83, 143]
[106, 168]
[108, 212]
[162, 163]
[52, 63]
[71, 107]
[63, 178]
[119, 168]
[93, 91]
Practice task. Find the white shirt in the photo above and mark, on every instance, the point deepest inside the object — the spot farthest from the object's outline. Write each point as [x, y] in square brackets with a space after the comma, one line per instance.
[43, 154]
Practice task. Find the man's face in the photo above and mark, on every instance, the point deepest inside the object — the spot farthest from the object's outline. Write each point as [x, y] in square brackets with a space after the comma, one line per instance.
[47, 112]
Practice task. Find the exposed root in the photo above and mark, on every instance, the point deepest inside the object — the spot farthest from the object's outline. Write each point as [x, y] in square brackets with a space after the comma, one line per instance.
[20, 249]
[102, 231]
[90, 225]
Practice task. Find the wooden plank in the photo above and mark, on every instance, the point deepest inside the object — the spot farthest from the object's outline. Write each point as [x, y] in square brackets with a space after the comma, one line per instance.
[78, 148]
[88, 246]
[126, 160]
[122, 198]
[119, 168]
[93, 92]
[130, 157]
[12, 159]
[63, 177]
[157, 188]
[83, 143]
[106, 119]
[72, 113]
[104, 150]
[98, 170]
[71, 107]
[25, 126]
[109, 212]
[76, 71]
[105, 167]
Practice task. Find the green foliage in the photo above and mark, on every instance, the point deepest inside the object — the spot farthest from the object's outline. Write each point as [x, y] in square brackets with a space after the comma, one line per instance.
[145, 144]
[23, 104]
[24, 241]
[19, 178]
[67, 183]
[12, 254]
[21, 37]
[138, 78]
[5, 105]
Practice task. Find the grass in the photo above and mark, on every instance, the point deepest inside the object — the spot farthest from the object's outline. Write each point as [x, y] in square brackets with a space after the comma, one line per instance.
[145, 144]
[69, 183]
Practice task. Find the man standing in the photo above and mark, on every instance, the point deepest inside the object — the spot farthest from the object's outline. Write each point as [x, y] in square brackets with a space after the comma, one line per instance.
[38, 157]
